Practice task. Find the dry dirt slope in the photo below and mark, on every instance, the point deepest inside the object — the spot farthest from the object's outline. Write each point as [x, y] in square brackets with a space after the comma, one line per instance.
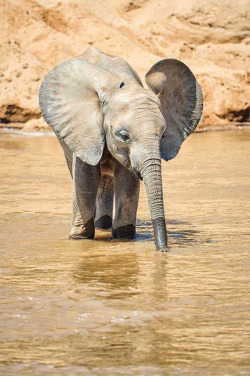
[212, 37]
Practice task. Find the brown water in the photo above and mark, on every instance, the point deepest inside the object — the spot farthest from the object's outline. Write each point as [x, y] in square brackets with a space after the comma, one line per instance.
[105, 307]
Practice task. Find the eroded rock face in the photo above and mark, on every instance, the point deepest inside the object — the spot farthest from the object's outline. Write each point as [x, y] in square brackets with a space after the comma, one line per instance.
[211, 37]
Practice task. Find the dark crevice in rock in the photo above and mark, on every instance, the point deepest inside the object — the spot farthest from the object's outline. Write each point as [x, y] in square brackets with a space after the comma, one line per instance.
[12, 113]
[241, 116]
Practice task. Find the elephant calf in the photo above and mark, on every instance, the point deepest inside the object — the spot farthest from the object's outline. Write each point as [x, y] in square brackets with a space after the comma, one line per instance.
[114, 132]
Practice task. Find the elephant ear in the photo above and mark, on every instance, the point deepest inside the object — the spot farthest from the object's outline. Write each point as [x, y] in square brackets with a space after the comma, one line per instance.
[181, 102]
[70, 99]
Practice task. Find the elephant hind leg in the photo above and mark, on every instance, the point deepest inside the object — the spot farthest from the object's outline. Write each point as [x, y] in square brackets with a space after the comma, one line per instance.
[104, 202]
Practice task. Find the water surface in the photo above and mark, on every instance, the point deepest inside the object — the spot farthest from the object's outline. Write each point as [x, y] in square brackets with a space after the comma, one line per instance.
[107, 307]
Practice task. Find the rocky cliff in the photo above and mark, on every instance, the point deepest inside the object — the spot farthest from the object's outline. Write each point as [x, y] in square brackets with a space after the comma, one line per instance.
[211, 37]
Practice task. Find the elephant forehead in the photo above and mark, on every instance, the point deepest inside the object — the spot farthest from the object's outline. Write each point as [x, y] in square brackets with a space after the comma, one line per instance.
[135, 105]
[129, 105]
[135, 109]
[139, 120]
[130, 93]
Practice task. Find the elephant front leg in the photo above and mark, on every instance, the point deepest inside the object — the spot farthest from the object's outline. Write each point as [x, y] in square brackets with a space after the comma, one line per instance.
[86, 179]
[127, 188]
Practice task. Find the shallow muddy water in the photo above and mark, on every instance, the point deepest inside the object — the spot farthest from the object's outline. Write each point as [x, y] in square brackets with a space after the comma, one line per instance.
[107, 307]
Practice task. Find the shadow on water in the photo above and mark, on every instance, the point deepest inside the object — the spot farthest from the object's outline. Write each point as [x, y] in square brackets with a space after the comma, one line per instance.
[176, 237]
[144, 232]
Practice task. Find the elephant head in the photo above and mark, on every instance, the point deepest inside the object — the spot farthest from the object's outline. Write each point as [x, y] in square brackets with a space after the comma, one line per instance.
[98, 99]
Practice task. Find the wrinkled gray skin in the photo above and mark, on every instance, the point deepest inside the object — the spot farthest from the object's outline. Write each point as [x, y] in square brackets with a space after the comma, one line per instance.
[115, 132]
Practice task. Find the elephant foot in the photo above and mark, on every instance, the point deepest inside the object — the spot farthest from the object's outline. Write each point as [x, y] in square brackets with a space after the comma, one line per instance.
[126, 232]
[86, 231]
[104, 222]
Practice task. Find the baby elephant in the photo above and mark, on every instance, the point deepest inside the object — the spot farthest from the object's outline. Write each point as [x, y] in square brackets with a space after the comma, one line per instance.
[114, 132]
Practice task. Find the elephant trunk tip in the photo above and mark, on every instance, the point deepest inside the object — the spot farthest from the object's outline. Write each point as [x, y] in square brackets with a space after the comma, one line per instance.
[163, 249]
[160, 234]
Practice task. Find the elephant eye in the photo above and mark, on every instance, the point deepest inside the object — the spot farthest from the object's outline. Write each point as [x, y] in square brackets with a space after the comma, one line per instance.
[123, 135]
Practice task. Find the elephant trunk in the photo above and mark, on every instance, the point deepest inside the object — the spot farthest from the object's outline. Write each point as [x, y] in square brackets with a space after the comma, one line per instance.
[150, 170]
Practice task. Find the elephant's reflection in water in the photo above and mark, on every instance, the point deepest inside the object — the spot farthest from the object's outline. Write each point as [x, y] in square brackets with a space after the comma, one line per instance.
[117, 264]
